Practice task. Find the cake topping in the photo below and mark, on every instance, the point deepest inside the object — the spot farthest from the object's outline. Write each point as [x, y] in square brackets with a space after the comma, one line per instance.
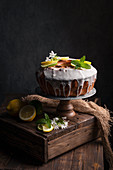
[56, 61]
[81, 63]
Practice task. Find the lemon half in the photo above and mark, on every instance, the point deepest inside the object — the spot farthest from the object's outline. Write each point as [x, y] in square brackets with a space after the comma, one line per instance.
[27, 113]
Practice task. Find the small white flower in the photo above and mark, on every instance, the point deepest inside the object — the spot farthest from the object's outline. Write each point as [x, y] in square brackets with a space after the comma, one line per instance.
[47, 59]
[64, 118]
[56, 118]
[52, 54]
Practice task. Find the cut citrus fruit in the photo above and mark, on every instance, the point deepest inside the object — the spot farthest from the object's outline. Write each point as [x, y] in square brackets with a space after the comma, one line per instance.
[64, 58]
[27, 113]
[14, 107]
[48, 62]
[72, 65]
[40, 126]
[46, 129]
[50, 65]
[87, 62]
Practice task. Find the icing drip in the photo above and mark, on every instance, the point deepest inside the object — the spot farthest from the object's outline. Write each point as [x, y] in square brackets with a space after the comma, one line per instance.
[63, 85]
[56, 86]
[69, 85]
[64, 76]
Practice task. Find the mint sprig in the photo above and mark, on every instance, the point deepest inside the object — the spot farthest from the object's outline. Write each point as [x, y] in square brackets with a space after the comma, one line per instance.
[46, 121]
[80, 63]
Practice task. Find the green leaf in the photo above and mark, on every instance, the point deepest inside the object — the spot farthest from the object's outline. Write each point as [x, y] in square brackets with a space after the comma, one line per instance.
[82, 59]
[38, 106]
[48, 124]
[85, 65]
[41, 121]
[48, 120]
[61, 120]
[76, 62]
[46, 116]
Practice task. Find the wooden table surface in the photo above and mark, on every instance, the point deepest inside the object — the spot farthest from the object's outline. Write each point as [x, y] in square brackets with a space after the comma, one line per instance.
[86, 157]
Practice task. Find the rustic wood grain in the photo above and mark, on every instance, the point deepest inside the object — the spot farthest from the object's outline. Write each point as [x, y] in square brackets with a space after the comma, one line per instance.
[89, 156]
[85, 157]
[44, 146]
[71, 140]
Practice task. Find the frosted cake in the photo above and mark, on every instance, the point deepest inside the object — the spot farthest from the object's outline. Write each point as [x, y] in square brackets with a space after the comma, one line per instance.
[65, 76]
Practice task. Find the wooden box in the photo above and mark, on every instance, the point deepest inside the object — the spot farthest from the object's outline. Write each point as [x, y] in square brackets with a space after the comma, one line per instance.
[45, 146]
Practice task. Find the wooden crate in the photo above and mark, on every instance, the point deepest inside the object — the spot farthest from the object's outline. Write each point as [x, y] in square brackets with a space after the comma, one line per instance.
[45, 146]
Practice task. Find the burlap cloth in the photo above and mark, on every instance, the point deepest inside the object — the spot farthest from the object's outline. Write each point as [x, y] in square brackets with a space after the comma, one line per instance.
[89, 107]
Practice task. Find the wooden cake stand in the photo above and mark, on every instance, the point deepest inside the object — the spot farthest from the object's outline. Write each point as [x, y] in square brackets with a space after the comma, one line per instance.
[65, 108]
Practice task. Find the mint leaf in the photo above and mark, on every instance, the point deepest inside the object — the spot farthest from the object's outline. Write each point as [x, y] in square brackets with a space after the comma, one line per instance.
[48, 124]
[85, 65]
[46, 116]
[80, 63]
[82, 59]
[41, 121]
[48, 120]
[76, 62]
[38, 106]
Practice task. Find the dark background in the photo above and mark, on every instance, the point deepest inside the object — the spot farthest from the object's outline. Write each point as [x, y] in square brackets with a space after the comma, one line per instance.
[30, 29]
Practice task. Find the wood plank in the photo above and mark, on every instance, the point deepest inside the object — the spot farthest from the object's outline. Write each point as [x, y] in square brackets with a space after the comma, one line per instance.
[20, 138]
[89, 156]
[72, 140]
[77, 159]
[44, 146]
[80, 120]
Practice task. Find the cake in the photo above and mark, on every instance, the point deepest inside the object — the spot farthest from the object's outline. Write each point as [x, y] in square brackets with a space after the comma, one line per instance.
[65, 76]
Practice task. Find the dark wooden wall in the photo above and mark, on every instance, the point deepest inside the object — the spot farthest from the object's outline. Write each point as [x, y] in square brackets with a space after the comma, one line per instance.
[30, 29]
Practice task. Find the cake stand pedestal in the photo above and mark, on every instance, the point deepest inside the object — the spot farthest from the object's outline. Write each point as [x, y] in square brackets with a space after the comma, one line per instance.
[65, 108]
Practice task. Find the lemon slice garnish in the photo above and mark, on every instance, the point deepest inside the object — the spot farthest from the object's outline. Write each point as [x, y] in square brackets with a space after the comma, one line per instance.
[27, 113]
[64, 58]
[72, 64]
[87, 62]
[46, 129]
[50, 65]
[40, 126]
[48, 62]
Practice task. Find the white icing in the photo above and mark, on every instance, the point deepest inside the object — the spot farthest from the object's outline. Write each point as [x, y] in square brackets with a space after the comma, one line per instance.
[65, 77]
[67, 74]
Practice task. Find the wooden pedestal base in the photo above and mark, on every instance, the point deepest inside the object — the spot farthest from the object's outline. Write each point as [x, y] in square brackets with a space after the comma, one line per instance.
[65, 108]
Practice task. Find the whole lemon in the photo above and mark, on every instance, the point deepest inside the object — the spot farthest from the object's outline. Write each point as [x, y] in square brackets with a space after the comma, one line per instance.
[14, 107]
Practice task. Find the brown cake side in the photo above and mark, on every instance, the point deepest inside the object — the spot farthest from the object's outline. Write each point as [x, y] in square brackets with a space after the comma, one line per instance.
[66, 88]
